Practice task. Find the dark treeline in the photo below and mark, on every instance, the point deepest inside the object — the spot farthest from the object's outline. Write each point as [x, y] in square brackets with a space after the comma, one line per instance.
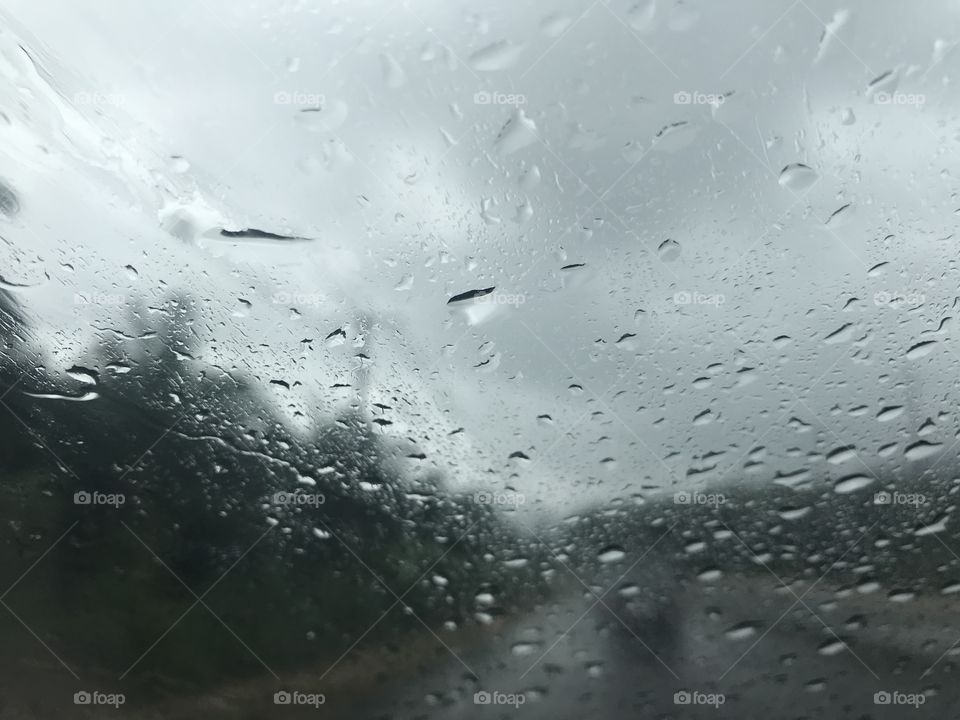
[198, 458]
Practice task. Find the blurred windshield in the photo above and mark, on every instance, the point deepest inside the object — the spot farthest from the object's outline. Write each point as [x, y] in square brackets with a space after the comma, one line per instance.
[428, 359]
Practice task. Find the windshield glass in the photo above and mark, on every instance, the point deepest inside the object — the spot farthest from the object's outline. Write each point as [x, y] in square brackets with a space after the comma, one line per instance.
[442, 359]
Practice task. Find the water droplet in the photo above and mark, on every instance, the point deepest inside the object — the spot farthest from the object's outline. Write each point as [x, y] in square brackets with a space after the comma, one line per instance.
[642, 15]
[324, 119]
[891, 412]
[611, 554]
[840, 335]
[675, 136]
[484, 599]
[531, 178]
[885, 82]
[57, 396]
[841, 455]
[554, 24]
[933, 528]
[393, 74]
[852, 483]
[794, 513]
[497, 56]
[840, 217]
[523, 649]
[518, 132]
[179, 164]
[704, 418]
[832, 647]
[669, 250]
[742, 631]
[798, 177]
[921, 349]
[840, 18]
[84, 375]
[921, 450]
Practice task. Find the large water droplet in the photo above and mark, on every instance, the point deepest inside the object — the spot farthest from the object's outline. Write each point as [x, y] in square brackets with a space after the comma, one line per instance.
[921, 450]
[742, 631]
[889, 413]
[798, 177]
[852, 483]
[921, 349]
[611, 554]
[669, 250]
[832, 647]
[518, 132]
